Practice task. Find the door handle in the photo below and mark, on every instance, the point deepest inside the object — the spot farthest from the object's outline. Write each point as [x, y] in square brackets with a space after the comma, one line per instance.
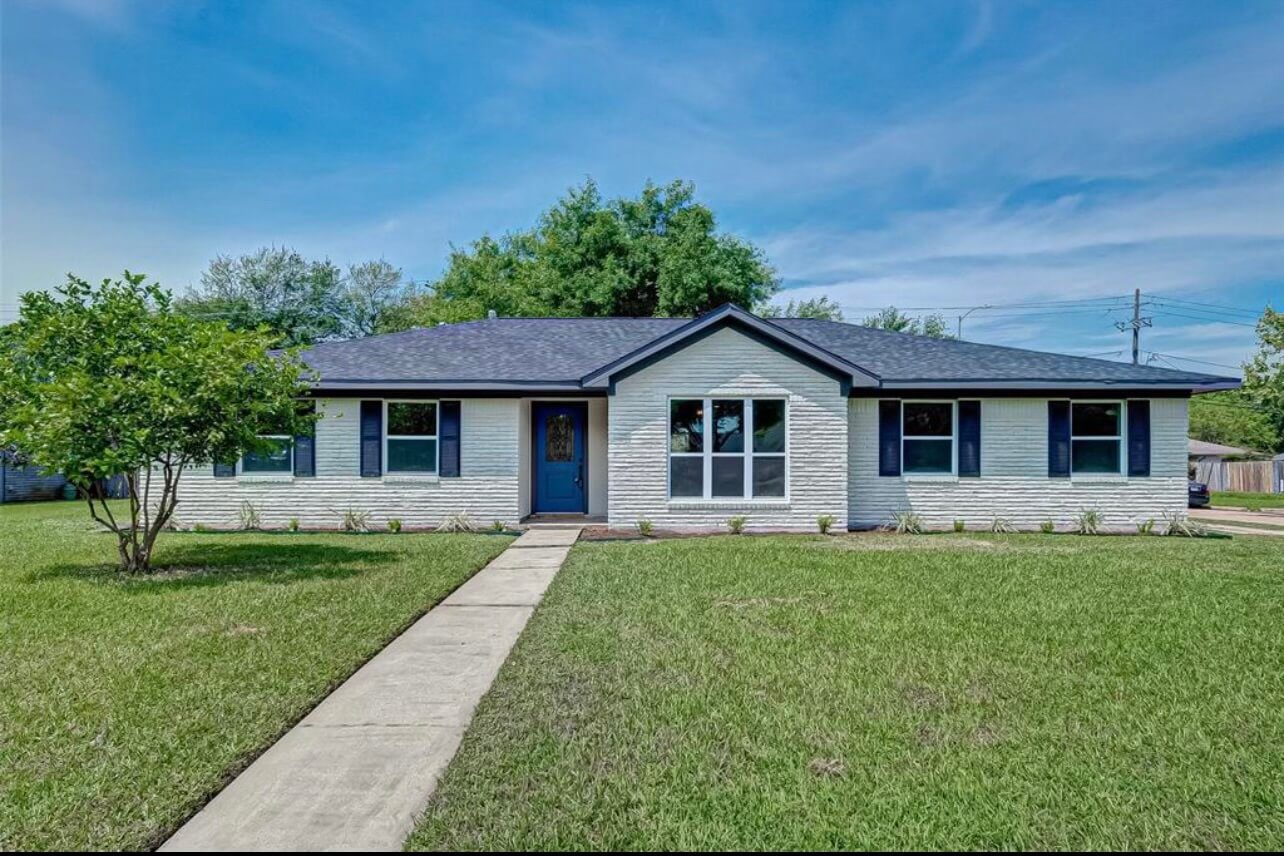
[579, 476]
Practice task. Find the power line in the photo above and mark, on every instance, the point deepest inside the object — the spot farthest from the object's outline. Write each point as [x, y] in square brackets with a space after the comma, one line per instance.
[1169, 312]
[1058, 313]
[1246, 311]
[1015, 305]
[1211, 313]
[1195, 360]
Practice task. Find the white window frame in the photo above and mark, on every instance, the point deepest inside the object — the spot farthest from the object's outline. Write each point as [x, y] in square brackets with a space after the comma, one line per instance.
[707, 454]
[280, 474]
[1118, 437]
[953, 438]
[436, 471]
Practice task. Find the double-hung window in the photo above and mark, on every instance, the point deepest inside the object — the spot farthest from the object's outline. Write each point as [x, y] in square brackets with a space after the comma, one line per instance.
[927, 438]
[410, 439]
[727, 448]
[1096, 437]
[276, 456]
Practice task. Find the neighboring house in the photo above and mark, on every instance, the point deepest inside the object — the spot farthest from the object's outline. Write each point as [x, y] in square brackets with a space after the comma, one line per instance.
[1251, 472]
[21, 483]
[686, 423]
[1202, 450]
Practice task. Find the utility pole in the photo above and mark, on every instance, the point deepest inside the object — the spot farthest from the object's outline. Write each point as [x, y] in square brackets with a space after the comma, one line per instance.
[1135, 324]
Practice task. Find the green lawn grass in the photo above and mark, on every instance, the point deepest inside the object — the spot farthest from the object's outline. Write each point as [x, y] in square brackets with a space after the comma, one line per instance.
[884, 691]
[125, 703]
[1228, 499]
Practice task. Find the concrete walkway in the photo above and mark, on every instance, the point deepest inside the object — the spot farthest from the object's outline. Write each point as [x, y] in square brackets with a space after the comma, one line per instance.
[357, 771]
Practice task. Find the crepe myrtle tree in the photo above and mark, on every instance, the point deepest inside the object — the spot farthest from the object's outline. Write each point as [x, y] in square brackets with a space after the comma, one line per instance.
[111, 381]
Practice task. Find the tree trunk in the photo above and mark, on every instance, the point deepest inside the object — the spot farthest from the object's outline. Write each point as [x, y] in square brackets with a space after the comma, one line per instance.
[136, 539]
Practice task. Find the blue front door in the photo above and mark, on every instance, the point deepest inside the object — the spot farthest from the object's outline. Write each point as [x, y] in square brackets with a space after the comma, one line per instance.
[559, 457]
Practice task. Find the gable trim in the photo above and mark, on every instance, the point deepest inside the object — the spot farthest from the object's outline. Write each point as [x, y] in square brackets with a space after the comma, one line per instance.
[764, 332]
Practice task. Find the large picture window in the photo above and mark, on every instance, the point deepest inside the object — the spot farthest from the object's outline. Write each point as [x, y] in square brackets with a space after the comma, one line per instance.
[276, 458]
[1096, 437]
[927, 437]
[727, 448]
[411, 437]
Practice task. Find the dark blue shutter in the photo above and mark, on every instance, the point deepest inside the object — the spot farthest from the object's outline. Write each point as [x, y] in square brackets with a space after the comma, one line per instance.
[970, 439]
[371, 439]
[305, 448]
[223, 470]
[450, 424]
[889, 438]
[1139, 437]
[1059, 439]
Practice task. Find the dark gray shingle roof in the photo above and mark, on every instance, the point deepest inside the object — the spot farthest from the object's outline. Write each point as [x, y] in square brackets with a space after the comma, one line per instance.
[905, 357]
[563, 350]
[524, 350]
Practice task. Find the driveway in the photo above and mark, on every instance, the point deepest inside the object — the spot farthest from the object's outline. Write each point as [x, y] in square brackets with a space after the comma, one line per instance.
[1239, 522]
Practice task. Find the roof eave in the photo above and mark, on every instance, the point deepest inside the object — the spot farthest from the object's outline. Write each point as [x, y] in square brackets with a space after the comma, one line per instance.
[1213, 385]
[349, 385]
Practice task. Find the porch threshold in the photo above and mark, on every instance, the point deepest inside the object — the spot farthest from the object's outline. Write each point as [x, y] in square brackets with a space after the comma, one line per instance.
[562, 521]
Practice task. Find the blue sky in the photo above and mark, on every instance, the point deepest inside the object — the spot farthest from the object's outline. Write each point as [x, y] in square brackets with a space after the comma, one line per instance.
[922, 153]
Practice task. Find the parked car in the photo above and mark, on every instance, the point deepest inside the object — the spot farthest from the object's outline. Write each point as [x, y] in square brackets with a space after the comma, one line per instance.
[1198, 496]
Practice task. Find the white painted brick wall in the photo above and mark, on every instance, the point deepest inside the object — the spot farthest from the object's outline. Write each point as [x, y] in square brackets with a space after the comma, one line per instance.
[727, 363]
[1014, 466]
[487, 488]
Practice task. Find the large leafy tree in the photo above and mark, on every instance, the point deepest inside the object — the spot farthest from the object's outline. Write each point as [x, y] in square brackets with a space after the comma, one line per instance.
[820, 308]
[112, 381]
[1232, 419]
[657, 254]
[892, 318]
[371, 290]
[274, 288]
[297, 300]
[1264, 373]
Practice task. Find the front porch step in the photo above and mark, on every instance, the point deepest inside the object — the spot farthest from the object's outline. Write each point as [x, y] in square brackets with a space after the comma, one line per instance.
[562, 521]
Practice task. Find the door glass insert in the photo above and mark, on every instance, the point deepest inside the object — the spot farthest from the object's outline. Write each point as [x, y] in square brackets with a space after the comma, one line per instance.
[559, 438]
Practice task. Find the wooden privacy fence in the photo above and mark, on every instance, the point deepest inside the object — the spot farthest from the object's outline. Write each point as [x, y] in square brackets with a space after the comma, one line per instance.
[1242, 476]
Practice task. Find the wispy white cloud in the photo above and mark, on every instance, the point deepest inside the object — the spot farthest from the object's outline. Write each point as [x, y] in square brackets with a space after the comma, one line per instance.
[1227, 226]
[919, 195]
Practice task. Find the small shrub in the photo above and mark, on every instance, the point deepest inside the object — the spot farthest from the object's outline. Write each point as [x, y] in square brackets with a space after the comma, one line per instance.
[824, 523]
[460, 522]
[959, 526]
[1001, 526]
[1047, 527]
[905, 523]
[644, 527]
[1181, 526]
[355, 521]
[737, 524]
[201, 527]
[293, 525]
[1087, 522]
[250, 516]
[497, 526]
[394, 525]
[1146, 527]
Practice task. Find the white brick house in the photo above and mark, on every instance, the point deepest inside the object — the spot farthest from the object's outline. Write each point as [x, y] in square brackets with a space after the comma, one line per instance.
[687, 423]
